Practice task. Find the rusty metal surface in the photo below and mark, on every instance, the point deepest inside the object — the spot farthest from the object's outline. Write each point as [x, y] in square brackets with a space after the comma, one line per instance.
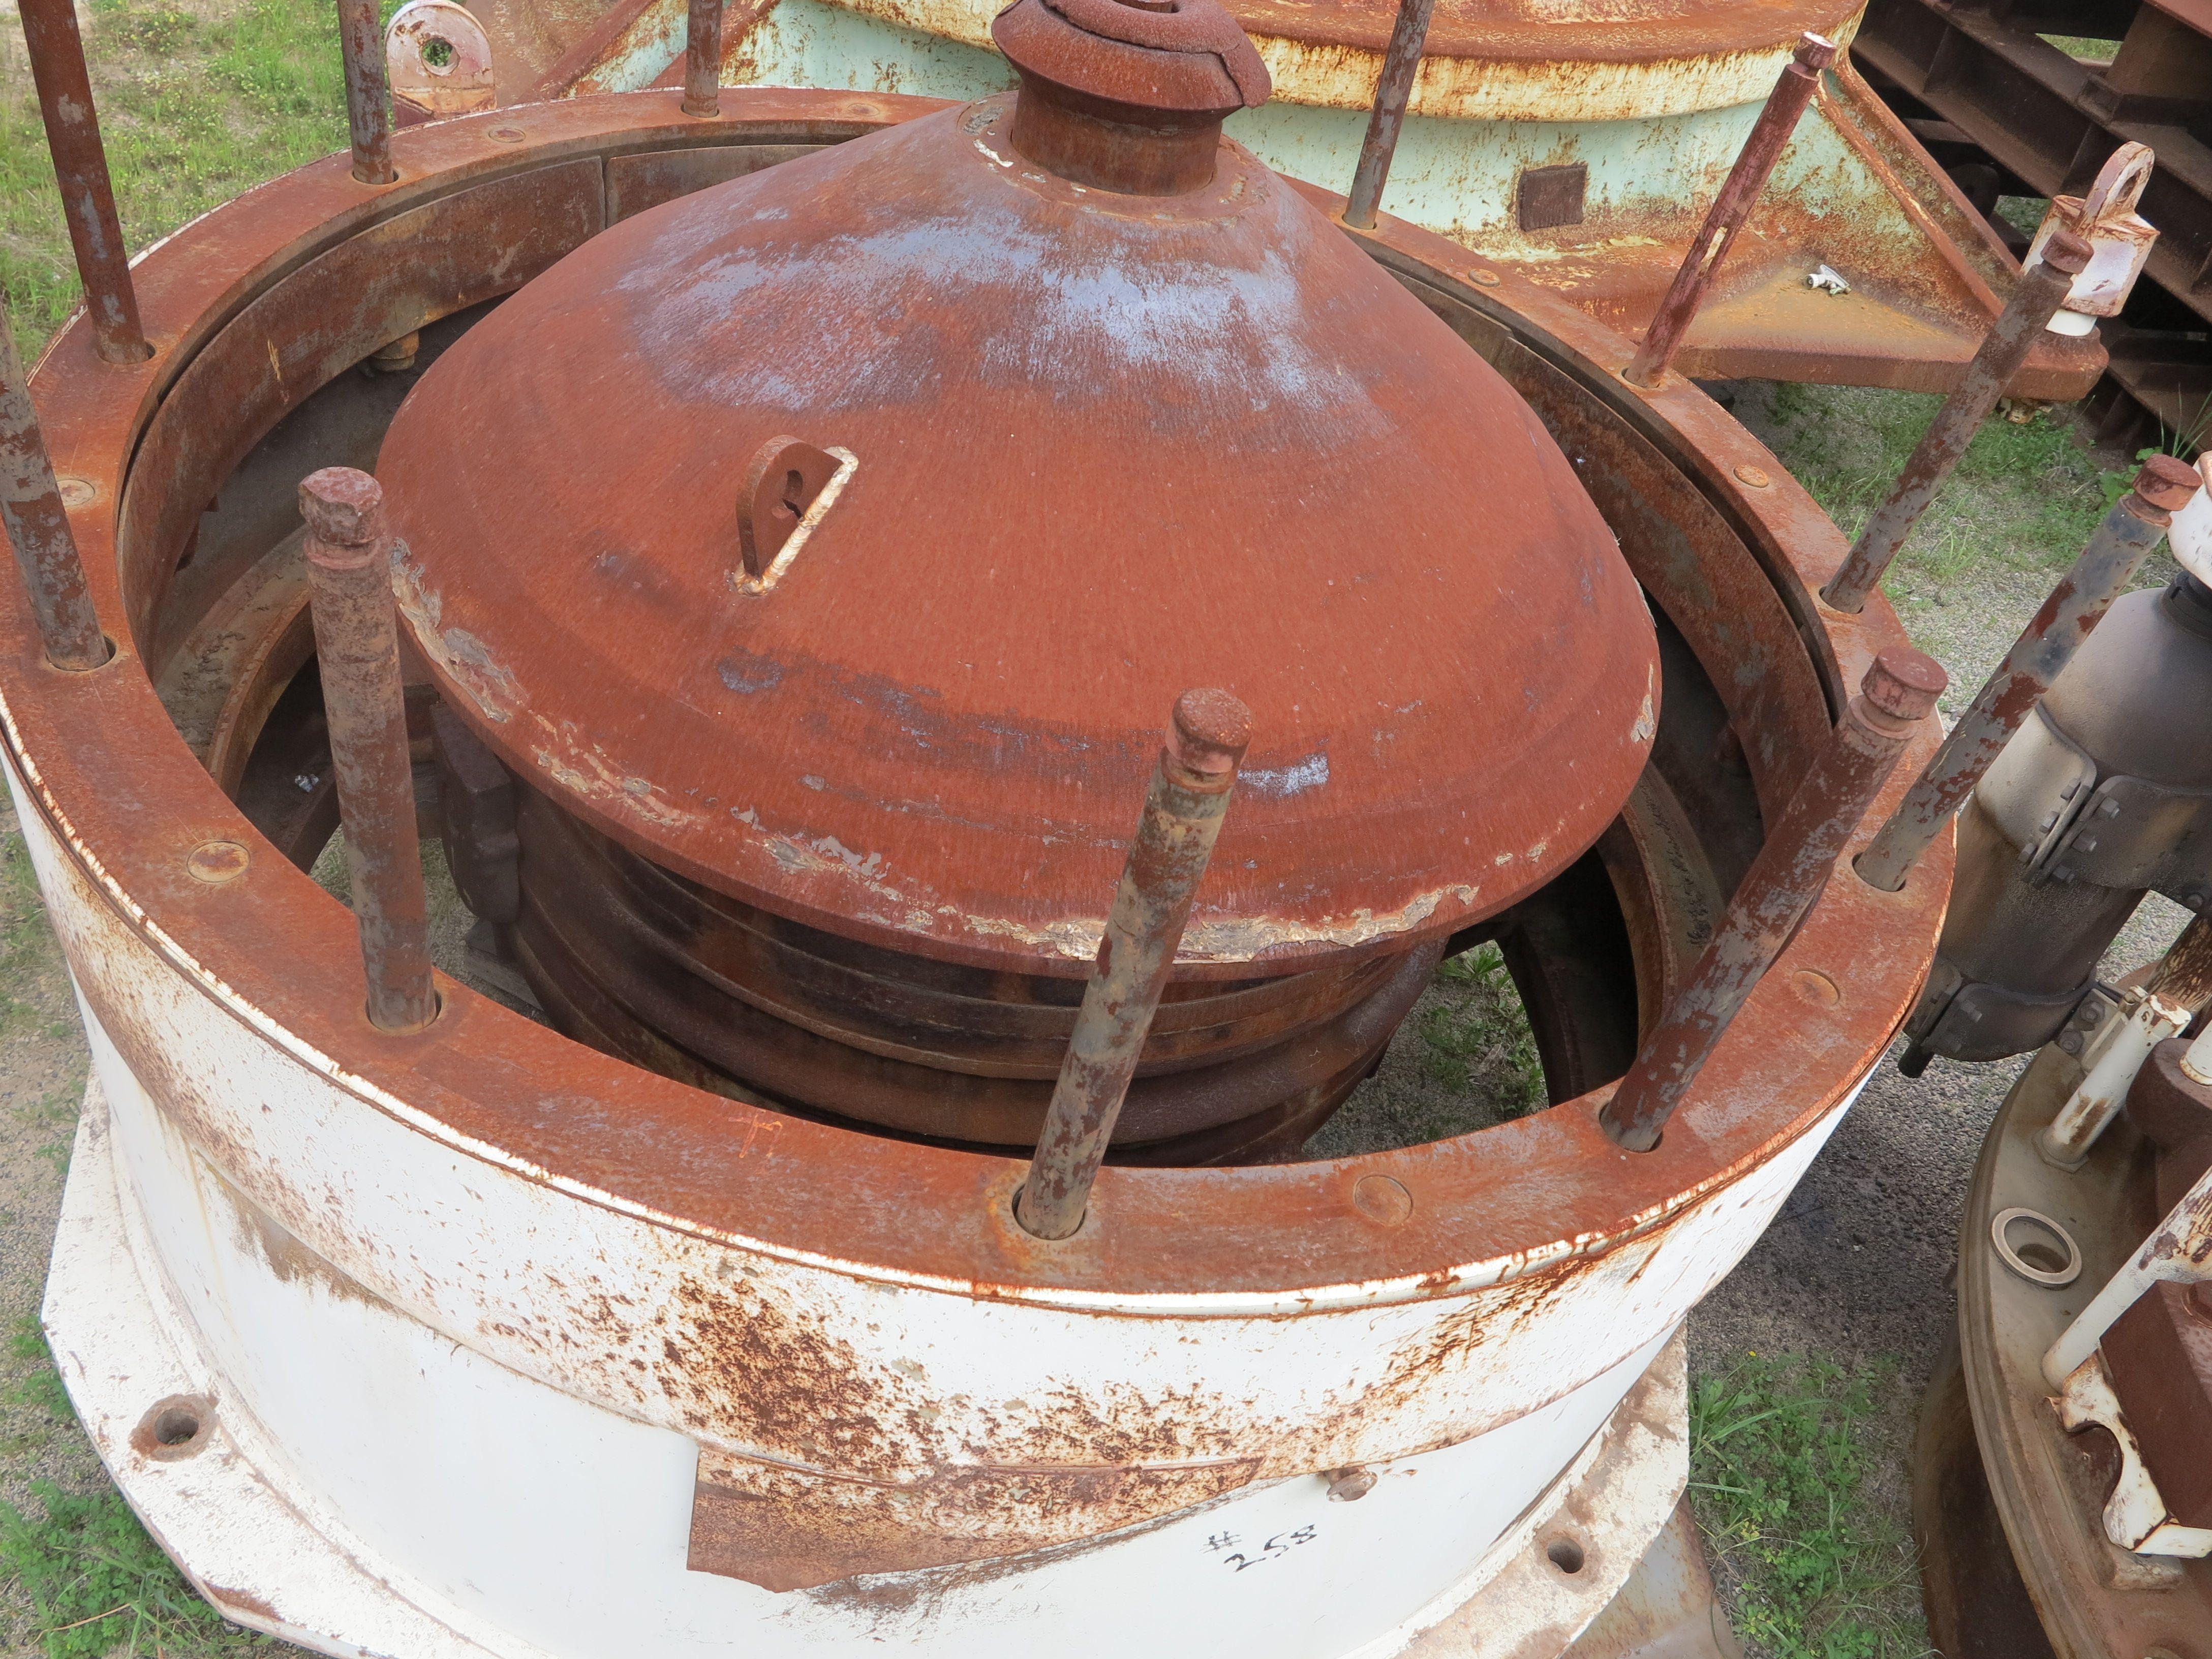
[35, 520]
[2049, 1488]
[1738, 192]
[349, 560]
[2106, 566]
[481, 1075]
[702, 59]
[2159, 1351]
[65, 105]
[1899, 692]
[930, 753]
[639, 961]
[1175, 835]
[1971, 1589]
[2003, 349]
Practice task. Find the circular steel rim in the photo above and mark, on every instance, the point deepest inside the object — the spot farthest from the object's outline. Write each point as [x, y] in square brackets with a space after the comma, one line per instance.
[1486, 1206]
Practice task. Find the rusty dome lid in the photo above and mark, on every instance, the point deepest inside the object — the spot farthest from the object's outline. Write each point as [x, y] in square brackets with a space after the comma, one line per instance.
[1090, 408]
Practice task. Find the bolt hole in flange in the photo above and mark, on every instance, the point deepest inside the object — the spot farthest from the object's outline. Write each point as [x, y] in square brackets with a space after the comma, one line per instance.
[175, 1428]
[2036, 1248]
[1565, 1554]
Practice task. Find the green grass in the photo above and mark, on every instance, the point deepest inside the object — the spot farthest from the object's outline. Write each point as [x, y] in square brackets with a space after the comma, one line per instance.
[2026, 494]
[30, 957]
[198, 103]
[1477, 1034]
[97, 1586]
[1780, 1460]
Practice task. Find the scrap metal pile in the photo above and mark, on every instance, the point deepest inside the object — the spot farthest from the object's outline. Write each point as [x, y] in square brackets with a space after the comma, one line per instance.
[967, 662]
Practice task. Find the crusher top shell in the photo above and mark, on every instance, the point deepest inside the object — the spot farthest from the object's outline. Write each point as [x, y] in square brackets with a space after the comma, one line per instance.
[1099, 408]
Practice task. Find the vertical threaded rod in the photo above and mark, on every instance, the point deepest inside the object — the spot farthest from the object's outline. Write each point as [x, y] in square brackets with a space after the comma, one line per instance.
[1800, 853]
[38, 526]
[357, 652]
[2108, 563]
[1393, 90]
[1738, 194]
[103, 266]
[1181, 819]
[368, 101]
[2002, 350]
[702, 60]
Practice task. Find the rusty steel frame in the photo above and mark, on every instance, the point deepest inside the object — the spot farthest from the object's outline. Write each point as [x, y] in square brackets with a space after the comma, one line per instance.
[239, 303]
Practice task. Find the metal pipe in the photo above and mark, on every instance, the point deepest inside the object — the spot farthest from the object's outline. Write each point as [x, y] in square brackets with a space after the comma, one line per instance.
[1800, 78]
[1898, 691]
[2121, 1049]
[38, 526]
[2183, 974]
[369, 102]
[2108, 563]
[1394, 89]
[358, 653]
[103, 266]
[1181, 819]
[2002, 350]
[702, 60]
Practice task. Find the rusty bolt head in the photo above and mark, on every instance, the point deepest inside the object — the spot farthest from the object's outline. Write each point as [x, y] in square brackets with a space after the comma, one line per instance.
[215, 862]
[1350, 1484]
[1756, 476]
[2167, 482]
[2067, 251]
[1210, 731]
[1814, 52]
[1904, 683]
[341, 506]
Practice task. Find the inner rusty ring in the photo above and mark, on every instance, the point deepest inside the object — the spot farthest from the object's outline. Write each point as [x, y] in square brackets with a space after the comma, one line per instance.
[484, 1079]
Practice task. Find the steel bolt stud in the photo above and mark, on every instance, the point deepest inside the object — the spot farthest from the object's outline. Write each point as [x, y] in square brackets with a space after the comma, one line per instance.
[1900, 691]
[1394, 89]
[1747, 180]
[2108, 563]
[2002, 350]
[1181, 820]
[37, 522]
[702, 60]
[111, 300]
[368, 101]
[357, 651]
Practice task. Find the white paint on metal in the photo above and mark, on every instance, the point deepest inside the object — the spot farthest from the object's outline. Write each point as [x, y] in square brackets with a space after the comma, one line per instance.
[492, 1387]
[2115, 1055]
[2135, 1515]
[2178, 1252]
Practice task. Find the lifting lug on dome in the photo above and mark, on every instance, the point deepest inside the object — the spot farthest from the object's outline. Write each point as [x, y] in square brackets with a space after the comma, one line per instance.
[1747, 180]
[1900, 691]
[785, 477]
[1189, 796]
[357, 651]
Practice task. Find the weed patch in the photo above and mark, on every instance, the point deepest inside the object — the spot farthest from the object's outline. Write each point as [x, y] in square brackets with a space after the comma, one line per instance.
[1780, 1462]
[1475, 1034]
[198, 104]
[97, 1585]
